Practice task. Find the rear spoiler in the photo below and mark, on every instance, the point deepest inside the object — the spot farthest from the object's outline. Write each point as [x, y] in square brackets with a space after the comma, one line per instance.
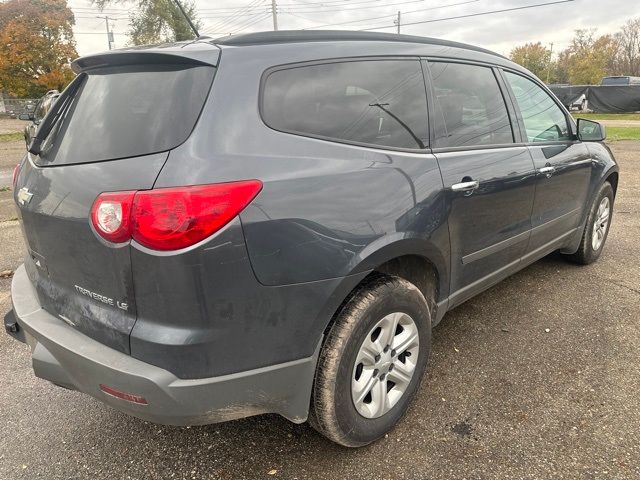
[198, 53]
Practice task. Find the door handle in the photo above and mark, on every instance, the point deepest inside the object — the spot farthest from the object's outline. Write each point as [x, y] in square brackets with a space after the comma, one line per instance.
[547, 170]
[467, 187]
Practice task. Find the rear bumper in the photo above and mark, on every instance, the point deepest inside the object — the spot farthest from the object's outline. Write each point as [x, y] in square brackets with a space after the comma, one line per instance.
[68, 358]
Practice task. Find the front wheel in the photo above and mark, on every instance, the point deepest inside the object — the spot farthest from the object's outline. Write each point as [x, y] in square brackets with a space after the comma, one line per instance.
[596, 229]
[372, 362]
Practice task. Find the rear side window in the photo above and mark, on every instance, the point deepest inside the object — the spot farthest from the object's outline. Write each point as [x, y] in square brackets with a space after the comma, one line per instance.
[374, 102]
[544, 120]
[128, 111]
[470, 106]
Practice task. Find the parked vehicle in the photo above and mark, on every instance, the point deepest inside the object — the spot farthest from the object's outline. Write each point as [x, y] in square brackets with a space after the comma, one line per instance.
[273, 222]
[621, 80]
[579, 103]
[36, 113]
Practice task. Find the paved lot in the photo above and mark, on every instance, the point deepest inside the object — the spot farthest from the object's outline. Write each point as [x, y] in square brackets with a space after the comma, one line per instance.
[504, 398]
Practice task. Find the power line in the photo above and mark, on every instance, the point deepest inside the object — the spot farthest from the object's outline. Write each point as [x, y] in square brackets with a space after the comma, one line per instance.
[302, 10]
[231, 18]
[472, 15]
[344, 2]
[385, 16]
[253, 23]
[301, 4]
[246, 24]
[232, 24]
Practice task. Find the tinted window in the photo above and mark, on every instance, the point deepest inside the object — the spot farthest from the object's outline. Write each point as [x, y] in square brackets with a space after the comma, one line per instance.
[373, 102]
[470, 106]
[128, 111]
[544, 121]
[616, 81]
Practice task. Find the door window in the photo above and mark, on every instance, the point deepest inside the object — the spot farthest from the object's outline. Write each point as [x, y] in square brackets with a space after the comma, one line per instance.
[470, 105]
[544, 120]
[378, 102]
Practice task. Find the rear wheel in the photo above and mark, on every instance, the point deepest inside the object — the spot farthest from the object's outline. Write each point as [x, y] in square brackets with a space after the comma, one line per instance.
[372, 362]
[596, 229]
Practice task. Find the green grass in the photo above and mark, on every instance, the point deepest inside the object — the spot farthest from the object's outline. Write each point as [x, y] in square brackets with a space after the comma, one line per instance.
[623, 133]
[608, 116]
[11, 137]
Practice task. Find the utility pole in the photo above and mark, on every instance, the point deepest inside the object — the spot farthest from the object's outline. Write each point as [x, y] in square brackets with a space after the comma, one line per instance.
[109, 32]
[274, 14]
[550, 60]
[397, 22]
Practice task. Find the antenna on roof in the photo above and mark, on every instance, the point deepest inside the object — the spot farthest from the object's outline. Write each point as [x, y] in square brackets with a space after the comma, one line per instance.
[186, 17]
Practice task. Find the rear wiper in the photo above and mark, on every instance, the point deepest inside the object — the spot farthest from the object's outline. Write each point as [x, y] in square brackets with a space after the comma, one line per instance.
[56, 112]
[382, 106]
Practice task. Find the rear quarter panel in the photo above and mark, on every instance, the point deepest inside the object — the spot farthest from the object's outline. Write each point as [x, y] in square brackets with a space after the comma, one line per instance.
[326, 208]
[263, 290]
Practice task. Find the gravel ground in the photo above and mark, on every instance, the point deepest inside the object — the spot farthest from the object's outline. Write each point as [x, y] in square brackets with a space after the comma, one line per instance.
[536, 378]
[10, 152]
[10, 125]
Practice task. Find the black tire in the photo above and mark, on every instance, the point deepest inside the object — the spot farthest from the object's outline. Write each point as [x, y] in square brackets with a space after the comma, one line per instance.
[332, 411]
[586, 254]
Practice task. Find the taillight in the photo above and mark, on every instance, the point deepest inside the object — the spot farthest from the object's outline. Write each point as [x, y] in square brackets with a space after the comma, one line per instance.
[111, 216]
[170, 218]
[16, 172]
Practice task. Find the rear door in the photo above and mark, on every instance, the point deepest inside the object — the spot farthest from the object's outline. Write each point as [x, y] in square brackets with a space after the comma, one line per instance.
[113, 133]
[563, 164]
[489, 181]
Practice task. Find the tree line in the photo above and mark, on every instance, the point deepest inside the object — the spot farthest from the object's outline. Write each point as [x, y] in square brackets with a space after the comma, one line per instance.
[587, 59]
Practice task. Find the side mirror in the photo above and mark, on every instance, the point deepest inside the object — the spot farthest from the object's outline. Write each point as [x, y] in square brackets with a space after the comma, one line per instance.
[589, 131]
[25, 116]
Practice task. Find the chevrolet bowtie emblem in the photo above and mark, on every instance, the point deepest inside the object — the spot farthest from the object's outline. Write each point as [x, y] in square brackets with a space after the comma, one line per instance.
[24, 196]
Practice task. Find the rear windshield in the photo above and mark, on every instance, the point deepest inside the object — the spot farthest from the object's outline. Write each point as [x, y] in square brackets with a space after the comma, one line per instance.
[127, 111]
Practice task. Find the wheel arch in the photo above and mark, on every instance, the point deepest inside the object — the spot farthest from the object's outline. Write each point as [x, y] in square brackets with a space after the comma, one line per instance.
[612, 177]
[416, 260]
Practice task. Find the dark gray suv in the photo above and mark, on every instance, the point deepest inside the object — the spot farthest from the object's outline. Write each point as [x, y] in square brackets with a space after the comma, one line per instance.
[274, 222]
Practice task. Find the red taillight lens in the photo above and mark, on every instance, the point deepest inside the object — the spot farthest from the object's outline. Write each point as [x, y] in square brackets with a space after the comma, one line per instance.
[16, 172]
[174, 218]
[111, 216]
[171, 218]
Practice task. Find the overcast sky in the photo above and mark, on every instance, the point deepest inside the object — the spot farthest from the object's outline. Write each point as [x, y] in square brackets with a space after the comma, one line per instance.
[499, 31]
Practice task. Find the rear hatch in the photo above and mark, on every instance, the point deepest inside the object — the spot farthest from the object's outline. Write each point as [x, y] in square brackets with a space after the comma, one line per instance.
[111, 130]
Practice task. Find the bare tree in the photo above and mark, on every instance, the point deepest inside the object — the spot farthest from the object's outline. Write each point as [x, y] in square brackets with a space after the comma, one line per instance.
[629, 48]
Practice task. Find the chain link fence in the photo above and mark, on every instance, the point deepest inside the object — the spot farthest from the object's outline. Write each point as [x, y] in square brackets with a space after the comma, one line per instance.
[13, 107]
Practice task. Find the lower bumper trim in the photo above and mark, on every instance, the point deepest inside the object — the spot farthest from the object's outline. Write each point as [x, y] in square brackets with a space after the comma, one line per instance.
[70, 359]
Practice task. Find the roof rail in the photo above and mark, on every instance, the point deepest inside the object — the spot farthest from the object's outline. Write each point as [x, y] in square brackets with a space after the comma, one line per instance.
[302, 36]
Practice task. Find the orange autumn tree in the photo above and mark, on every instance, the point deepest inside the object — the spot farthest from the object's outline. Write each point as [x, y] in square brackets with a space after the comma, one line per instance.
[36, 46]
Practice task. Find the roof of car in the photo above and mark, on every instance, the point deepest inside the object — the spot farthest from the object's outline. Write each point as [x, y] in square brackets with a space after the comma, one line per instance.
[303, 36]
